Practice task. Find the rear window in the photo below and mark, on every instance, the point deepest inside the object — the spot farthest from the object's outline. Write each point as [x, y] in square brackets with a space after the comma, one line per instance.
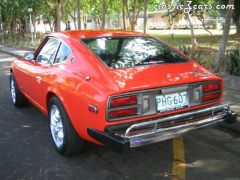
[126, 52]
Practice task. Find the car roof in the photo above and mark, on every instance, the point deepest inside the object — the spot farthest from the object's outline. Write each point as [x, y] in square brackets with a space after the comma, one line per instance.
[79, 34]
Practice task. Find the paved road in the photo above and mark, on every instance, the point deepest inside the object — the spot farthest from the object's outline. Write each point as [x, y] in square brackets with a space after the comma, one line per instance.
[26, 151]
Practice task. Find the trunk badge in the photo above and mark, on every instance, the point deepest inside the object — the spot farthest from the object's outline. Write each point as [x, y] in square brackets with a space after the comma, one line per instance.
[195, 73]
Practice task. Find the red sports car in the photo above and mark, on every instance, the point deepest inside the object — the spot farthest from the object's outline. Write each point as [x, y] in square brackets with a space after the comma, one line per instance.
[116, 88]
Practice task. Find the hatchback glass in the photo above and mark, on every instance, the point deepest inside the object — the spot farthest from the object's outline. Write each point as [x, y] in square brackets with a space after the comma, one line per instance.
[126, 52]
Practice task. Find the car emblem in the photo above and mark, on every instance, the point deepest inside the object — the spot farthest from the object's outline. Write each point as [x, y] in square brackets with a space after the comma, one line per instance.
[195, 73]
[73, 60]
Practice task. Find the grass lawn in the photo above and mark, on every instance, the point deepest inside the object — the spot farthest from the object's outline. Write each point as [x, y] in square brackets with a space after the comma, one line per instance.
[202, 40]
[208, 45]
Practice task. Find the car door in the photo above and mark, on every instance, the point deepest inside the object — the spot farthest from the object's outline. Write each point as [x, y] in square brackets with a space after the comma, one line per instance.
[40, 69]
[49, 69]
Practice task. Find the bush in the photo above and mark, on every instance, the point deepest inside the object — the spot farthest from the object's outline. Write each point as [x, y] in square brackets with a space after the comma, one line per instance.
[232, 62]
[188, 51]
[203, 55]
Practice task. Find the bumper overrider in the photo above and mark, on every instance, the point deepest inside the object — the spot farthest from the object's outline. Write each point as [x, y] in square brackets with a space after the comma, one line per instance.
[122, 137]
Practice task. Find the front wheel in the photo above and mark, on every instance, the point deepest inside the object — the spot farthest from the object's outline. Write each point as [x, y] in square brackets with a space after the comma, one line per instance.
[64, 137]
[18, 98]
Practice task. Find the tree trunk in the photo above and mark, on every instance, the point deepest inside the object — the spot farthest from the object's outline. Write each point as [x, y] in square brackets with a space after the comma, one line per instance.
[50, 25]
[26, 28]
[236, 22]
[193, 37]
[45, 27]
[1, 26]
[58, 16]
[22, 27]
[12, 27]
[202, 19]
[135, 12]
[123, 16]
[85, 21]
[103, 18]
[99, 22]
[145, 15]
[125, 4]
[224, 39]
[136, 16]
[74, 18]
[78, 14]
[34, 28]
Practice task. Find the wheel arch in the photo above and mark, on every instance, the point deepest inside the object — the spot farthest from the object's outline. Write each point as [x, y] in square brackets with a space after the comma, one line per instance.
[51, 93]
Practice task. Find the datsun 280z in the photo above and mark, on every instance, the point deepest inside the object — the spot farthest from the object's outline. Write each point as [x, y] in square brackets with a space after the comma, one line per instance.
[116, 88]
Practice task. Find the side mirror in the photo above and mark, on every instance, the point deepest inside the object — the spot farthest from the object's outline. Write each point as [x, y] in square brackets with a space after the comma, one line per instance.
[29, 56]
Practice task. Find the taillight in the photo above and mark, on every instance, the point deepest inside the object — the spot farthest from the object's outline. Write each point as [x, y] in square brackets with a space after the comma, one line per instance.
[123, 112]
[210, 97]
[123, 106]
[211, 91]
[211, 87]
[123, 101]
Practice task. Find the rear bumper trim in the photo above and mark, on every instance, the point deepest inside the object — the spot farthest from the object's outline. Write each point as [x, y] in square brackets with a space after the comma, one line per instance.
[114, 142]
[151, 131]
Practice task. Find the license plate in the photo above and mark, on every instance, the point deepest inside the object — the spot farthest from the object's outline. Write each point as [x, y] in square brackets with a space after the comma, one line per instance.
[170, 102]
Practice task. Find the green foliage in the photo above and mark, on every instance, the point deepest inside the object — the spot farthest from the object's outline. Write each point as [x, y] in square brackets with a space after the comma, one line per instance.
[188, 51]
[232, 61]
[236, 6]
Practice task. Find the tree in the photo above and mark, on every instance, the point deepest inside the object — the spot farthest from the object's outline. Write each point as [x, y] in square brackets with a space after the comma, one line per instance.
[145, 15]
[224, 39]
[103, 14]
[200, 13]
[78, 14]
[57, 17]
[1, 29]
[193, 37]
[235, 14]
[15, 18]
[133, 8]
[123, 16]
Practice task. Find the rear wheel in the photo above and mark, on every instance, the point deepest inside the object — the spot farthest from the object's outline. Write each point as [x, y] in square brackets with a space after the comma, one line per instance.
[65, 139]
[18, 98]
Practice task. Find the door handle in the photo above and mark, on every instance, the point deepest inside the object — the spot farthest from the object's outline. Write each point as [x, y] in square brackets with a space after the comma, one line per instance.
[38, 79]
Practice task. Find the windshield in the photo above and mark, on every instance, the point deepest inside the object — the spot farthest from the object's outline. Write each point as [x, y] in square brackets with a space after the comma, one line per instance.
[126, 52]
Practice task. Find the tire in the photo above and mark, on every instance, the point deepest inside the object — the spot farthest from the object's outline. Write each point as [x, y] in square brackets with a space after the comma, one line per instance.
[64, 137]
[18, 99]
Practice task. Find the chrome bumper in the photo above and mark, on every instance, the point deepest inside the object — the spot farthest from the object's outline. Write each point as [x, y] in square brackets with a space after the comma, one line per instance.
[163, 128]
[217, 115]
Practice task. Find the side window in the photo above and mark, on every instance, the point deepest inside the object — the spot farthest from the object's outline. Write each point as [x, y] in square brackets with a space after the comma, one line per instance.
[62, 54]
[48, 51]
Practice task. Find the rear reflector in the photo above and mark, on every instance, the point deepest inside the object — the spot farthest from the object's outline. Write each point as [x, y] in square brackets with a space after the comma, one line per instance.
[123, 112]
[211, 87]
[209, 97]
[123, 101]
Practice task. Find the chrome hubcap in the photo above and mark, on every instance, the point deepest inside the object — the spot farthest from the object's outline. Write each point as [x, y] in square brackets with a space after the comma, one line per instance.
[56, 126]
[13, 91]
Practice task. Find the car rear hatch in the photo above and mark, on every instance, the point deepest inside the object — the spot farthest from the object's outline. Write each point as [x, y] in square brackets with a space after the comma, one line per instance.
[154, 76]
